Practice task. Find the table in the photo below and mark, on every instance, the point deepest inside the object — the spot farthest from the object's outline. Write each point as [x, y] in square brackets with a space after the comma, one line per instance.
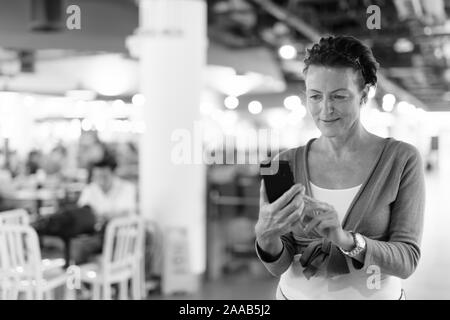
[36, 196]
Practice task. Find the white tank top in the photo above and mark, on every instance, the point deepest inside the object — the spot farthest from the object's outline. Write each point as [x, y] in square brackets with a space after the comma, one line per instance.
[354, 285]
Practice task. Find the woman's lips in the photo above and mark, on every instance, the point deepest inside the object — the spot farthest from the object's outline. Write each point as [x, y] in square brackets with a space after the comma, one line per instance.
[331, 121]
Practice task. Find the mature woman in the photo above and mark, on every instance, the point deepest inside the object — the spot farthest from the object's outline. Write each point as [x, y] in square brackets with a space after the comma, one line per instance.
[364, 195]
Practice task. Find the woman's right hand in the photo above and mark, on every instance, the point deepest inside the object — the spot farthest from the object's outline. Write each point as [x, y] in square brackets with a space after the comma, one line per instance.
[278, 218]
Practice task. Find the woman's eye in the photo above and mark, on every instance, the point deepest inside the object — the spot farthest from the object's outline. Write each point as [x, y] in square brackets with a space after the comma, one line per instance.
[315, 97]
[339, 97]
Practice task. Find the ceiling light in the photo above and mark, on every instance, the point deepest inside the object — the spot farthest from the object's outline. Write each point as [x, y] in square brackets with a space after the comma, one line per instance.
[231, 102]
[118, 103]
[255, 107]
[403, 45]
[138, 99]
[292, 102]
[287, 52]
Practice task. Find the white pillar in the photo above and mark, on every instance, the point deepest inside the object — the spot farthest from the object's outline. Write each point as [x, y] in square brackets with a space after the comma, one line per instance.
[171, 45]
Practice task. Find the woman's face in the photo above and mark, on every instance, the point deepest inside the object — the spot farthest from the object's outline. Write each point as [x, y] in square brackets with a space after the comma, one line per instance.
[333, 98]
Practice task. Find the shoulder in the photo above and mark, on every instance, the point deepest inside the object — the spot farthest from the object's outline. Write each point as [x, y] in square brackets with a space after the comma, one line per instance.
[91, 188]
[292, 153]
[404, 151]
[125, 185]
[405, 158]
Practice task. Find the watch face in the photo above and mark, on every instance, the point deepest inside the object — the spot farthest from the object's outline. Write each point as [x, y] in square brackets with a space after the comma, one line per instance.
[360, 242]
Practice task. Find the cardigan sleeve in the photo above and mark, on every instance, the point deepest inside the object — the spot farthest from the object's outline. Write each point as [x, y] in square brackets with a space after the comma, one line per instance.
[278, 265]
[282, 262]
[400, 255]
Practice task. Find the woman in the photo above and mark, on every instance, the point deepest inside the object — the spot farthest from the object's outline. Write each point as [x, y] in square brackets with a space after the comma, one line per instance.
[364, 195]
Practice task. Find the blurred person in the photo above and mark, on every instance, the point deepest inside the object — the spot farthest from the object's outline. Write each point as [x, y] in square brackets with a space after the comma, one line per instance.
[364, 195]
[6, 184]
[33, 162]
[90, 149]
[108, 196]
[128, 160]
[56, 160]
[83, 225]
[55, 166]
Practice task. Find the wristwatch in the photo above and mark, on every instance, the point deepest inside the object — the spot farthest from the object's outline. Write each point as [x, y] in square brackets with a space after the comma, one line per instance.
[360, 245]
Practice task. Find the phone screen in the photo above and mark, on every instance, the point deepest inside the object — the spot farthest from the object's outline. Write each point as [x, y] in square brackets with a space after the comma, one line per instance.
[279, 181]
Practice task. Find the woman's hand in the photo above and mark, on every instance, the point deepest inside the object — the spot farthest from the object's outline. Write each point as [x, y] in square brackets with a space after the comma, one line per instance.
[326, 222]
[278, 218]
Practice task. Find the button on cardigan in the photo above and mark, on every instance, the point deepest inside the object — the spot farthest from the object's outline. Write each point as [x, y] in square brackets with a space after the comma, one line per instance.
[388, 211]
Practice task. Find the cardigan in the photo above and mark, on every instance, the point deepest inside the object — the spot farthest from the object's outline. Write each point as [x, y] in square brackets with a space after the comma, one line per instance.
[388, 211]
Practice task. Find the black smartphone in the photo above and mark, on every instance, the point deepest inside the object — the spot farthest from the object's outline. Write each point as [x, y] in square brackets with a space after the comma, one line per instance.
[277, 179]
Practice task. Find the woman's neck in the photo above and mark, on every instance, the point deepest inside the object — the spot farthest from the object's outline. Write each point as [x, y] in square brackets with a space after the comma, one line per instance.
[341, 146]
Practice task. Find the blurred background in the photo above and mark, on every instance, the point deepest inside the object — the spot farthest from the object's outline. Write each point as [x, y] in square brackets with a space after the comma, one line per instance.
[136, 78]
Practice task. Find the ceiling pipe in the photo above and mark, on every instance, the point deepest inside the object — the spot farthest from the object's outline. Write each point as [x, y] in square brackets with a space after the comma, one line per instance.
[313, 35]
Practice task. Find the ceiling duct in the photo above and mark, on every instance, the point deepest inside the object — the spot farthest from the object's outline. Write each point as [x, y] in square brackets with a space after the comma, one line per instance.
[47, 15]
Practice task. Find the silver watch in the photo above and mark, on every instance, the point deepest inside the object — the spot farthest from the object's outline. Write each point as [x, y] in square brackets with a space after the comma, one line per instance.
[360, 245]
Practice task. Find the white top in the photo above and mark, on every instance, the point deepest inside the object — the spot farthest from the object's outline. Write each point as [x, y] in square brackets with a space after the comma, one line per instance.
[120, 199]
[340, 199]
[354, 285]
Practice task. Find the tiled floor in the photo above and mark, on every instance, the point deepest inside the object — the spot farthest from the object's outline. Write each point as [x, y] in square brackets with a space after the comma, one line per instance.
[240, 287]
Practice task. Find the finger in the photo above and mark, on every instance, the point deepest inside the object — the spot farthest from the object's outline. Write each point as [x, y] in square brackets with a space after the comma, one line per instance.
[282, 201]
[294, 205]
[293, 219]
[326, 224]
[312, 213]
[315, 222]
[297, 213]
[316, 204]
[313, 201]
[262, 194]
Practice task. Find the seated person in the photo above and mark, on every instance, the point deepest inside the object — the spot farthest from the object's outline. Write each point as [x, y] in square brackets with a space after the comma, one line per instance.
[108, 196]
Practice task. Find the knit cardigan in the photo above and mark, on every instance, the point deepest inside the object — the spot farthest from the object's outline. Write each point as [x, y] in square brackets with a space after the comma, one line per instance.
[388, 211]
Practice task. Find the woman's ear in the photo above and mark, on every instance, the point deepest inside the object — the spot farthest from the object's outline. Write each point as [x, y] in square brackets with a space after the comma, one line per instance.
[365, 94]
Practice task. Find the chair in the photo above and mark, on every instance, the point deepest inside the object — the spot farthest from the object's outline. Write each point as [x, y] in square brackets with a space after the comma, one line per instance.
[20, 253]
[21, 217]
[16, 216]
[120, 261]
[9, 285]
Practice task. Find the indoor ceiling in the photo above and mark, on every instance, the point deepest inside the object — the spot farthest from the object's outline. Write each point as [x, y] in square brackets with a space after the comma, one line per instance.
[413, 44]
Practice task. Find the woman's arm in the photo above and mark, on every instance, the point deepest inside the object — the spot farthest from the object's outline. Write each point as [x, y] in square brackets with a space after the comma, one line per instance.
[279, 263]
[400, 255]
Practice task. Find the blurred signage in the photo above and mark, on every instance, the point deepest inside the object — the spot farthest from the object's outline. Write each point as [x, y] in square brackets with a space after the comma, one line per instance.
[177, 276]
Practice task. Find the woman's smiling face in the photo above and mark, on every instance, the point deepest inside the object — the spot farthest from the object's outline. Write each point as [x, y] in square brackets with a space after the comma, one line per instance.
[334, 98]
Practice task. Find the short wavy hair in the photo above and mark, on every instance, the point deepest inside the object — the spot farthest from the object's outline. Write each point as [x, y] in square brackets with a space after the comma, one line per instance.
[344, 51]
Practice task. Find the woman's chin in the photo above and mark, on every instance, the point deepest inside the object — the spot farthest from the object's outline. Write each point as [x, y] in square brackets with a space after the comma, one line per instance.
[329, 132]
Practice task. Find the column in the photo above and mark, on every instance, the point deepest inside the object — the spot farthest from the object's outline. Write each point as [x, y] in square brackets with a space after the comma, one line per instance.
[171, 45]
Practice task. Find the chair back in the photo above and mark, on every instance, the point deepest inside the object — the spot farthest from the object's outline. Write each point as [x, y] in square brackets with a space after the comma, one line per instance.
[123, 244]
[9, 285]
[16, 216]
[20, 255]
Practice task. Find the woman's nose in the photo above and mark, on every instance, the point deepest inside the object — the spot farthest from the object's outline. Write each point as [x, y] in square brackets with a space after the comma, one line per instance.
[327, 107]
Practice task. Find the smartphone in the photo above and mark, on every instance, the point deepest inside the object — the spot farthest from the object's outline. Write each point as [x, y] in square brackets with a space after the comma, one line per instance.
[277, 182]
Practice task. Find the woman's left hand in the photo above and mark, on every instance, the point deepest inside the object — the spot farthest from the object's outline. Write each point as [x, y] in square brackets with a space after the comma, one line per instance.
[326, 222]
